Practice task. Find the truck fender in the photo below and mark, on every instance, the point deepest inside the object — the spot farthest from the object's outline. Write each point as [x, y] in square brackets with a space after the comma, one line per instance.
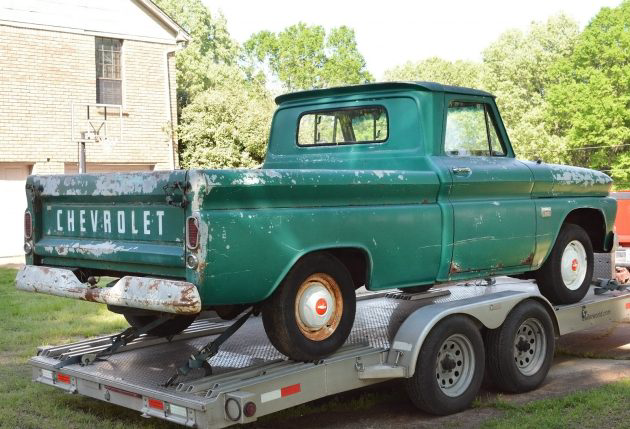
[489, 311]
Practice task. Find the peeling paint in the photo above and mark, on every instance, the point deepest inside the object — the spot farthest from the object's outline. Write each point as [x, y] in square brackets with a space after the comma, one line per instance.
[169, 296]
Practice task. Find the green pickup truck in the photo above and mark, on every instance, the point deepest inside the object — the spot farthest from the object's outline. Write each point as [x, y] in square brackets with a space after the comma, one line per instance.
[388, 185]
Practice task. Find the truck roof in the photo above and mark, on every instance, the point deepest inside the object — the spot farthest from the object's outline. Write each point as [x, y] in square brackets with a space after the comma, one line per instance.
[378, 86]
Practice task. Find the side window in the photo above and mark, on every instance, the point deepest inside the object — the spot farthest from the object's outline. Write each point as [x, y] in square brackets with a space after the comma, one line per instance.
[470, 131]
[343, 126]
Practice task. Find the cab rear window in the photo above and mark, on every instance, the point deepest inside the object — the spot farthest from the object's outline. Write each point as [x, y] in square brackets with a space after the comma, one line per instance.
[343, 126]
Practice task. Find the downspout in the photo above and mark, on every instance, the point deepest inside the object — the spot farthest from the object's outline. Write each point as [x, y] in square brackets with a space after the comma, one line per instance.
[169, 106]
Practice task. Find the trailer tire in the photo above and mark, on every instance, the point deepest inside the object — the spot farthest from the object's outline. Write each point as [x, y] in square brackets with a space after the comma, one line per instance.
[566, 275]
[450, 367]
[172, 327]
[293, 317]
[520, 352]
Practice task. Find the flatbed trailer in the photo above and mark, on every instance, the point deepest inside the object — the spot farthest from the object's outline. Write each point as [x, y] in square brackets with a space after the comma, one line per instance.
[251, 379]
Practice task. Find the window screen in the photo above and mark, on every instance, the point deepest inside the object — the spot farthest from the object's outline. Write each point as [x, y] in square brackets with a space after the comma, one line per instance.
[471, 131]
[343, 126]
[108, 71]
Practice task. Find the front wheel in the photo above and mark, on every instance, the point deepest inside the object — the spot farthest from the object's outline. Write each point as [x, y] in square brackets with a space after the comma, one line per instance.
[566, 275]
[311, 313]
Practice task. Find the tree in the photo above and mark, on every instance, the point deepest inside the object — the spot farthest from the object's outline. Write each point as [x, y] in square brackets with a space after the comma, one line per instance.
[589, 100]
[304, 57]
[517, 70]
[210, 43]
[224, 109]
[434, 69]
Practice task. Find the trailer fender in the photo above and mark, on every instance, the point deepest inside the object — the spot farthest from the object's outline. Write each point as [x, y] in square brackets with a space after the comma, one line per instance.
[488, 310]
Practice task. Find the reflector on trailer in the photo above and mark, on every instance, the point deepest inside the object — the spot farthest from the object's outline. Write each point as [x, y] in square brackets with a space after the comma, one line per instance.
[63, 378]
[122, 391]
[177, 410]
[156, 404]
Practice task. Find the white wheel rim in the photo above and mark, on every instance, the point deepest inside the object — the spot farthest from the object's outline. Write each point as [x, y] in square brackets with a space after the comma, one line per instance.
[573, 265]
[455, 365]
[316, 306]
[530, 347]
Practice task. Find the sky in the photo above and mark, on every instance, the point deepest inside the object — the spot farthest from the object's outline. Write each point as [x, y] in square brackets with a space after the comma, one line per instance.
[392, 32]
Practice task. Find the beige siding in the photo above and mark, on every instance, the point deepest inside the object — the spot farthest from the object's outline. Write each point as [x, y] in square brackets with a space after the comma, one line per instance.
[44, 72]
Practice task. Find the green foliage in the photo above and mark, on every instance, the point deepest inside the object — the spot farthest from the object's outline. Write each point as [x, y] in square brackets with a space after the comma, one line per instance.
[224, 109]
[517, 70]
[304, 57]
[226, 126]
[434, 69]
[589, 100]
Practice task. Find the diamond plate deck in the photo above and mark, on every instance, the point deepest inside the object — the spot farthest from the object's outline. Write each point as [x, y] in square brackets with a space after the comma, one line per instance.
[377, 321]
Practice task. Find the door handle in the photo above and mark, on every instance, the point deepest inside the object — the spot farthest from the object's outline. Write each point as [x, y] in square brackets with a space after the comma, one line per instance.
[462, 171]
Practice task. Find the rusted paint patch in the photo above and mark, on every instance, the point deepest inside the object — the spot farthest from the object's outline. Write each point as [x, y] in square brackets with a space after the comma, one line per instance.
[169, 296]
[455, 268]
[528, 260]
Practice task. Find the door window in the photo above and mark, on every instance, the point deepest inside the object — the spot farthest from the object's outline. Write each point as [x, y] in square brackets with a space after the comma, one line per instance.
[471, 131]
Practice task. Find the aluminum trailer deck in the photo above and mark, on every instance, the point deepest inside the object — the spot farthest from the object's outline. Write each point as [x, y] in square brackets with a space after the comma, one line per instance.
[251, 379]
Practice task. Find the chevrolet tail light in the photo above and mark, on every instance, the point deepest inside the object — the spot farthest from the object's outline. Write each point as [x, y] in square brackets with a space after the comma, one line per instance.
[28, 225]
[192, 232]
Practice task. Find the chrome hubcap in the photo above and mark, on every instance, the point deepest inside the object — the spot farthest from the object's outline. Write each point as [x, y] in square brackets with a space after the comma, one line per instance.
[455, 365]
[573, 265]
[530, 347]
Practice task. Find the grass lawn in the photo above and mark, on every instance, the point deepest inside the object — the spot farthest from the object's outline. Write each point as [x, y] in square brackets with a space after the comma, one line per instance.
[31, 320]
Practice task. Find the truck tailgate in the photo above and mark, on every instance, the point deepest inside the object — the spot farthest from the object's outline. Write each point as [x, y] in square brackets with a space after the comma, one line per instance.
[126, 222]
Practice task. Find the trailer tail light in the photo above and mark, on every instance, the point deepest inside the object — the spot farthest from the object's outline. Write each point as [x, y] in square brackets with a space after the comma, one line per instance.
[156, 404]
[63, 378]
[192, 232]
[28, 225]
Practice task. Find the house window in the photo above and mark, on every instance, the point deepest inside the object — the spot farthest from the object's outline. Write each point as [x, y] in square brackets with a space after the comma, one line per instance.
[108, 71]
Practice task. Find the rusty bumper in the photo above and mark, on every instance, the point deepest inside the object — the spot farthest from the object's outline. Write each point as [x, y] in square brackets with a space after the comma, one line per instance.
[169, 296]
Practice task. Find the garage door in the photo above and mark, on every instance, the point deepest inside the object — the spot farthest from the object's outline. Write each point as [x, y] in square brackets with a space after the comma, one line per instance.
[72, 168]
[12, 181]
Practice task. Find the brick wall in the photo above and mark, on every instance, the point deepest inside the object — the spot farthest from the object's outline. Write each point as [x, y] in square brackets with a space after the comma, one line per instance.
[43, 72]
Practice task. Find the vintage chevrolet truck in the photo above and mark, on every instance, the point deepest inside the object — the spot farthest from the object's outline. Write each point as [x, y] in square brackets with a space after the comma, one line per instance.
[388, 185]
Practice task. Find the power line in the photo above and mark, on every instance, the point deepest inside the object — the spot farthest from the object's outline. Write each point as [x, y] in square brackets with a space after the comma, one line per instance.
[598, 147]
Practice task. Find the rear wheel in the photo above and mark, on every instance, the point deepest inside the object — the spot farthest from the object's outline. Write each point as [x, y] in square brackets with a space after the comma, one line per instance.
[171, 327]
[566, 275]
[311, 313]
[450, 367]
[520, 351]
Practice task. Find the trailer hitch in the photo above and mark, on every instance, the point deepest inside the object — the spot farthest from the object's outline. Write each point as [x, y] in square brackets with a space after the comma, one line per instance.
[117, 341]
[201, 357]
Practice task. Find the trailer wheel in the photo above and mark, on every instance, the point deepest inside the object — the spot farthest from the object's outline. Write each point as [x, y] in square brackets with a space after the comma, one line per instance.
[174, 326]
[566, 275]
[520, 352]
[450, 368]
[311, 313]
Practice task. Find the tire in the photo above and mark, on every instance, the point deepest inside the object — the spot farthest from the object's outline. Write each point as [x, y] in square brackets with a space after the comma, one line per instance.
[292, 315]
[520, 352]
[572, 250]
[171, 327]
[430, 388]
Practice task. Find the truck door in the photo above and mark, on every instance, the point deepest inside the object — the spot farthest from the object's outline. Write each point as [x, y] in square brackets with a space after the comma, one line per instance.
[494, 220]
